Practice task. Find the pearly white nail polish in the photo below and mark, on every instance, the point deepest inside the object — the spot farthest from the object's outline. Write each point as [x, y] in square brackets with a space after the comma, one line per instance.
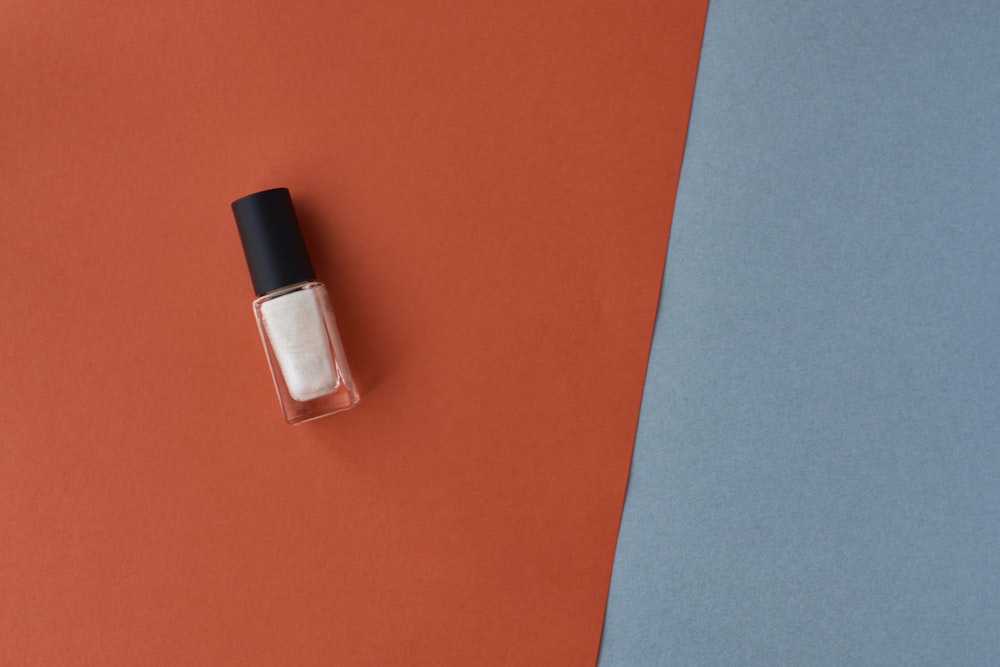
[293, 310]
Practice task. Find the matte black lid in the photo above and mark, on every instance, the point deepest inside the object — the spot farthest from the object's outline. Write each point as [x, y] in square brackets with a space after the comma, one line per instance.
[272, 241]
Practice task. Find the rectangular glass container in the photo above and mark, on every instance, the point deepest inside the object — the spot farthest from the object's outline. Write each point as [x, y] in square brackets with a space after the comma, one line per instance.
[304, 352]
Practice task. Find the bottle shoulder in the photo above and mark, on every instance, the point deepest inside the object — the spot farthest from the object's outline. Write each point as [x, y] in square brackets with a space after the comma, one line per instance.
[309, 285]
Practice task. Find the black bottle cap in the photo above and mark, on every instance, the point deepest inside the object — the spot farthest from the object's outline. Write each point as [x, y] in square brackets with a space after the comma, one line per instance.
[272, 241]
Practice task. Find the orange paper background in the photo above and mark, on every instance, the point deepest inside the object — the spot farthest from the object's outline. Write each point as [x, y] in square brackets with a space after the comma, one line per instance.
[486, 190]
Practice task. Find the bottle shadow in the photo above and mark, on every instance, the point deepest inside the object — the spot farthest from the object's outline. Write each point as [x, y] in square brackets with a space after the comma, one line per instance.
[357, 320]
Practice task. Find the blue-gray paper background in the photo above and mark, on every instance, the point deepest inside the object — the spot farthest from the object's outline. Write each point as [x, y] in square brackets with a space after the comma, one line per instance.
[816, 478]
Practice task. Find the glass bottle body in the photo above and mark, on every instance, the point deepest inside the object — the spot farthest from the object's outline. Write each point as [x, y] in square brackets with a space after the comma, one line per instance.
[304, 352]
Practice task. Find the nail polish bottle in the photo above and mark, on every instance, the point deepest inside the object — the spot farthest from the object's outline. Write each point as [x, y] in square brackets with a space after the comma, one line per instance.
[293, 310]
